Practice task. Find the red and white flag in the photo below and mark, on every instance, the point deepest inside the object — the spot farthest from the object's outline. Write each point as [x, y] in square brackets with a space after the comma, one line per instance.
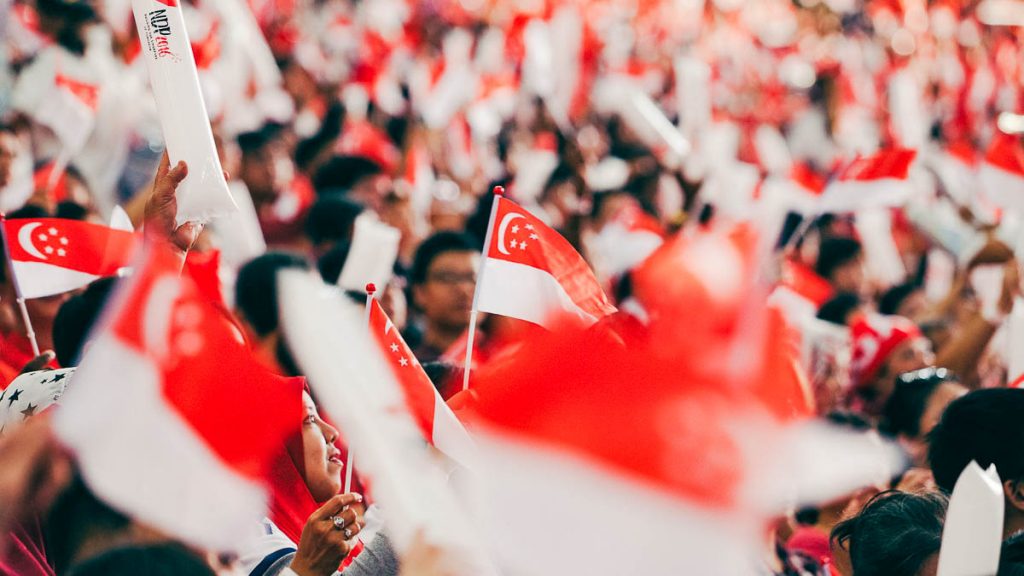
[1002, 173]
[69, 111]
[877, 181]
[53, 255]
[530, 272]
[161, 417]
[435, 419]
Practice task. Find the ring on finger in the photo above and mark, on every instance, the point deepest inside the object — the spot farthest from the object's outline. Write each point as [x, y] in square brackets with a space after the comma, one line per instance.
[339, 522]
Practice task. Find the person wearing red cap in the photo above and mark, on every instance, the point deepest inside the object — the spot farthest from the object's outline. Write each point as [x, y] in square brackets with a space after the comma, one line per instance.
[883, 348]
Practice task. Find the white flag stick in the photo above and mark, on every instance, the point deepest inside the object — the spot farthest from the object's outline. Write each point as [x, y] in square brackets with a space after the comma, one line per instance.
[499, 191]
[370, 290]
[29, 331]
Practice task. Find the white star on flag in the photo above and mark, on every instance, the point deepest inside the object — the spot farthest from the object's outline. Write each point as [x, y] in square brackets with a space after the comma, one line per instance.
[515, 229]
[394, 347]
[534, 237]
[403, 361]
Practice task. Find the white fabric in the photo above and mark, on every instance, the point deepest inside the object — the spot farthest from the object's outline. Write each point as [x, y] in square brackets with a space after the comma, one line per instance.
[138, 455]
[450, 436]
[38, 279]
[973, 532]
[524, 292]
[1003, 188]
[372, 255]
[854, 195]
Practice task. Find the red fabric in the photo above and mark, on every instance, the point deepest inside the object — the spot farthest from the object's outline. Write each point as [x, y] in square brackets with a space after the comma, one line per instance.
[164, 316]
[72, 244]
[521, 237]
[891, 163]
[204, 268]
[1006, 153]
[88, 94]
[419, 390]
[41, 179]
[875, 337]
[360, 138]
[282, 230]
[15, 352]
[812, 542]
[806, 282]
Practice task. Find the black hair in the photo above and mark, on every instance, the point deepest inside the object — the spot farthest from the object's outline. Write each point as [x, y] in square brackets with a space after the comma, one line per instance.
[438, 244]
[253, 141]
[344, 172]
[442, 374]
[835, 252]
[838, 308]
[76, 318]
[256, 289]
[476, 224]
[908, 401]
[73, 15]
[76, 516]
[167, 559]
[984, 426]
[29, 211]
[894, 297]
[69, 210]
[331, 219]
[894, 534]
[333, 261]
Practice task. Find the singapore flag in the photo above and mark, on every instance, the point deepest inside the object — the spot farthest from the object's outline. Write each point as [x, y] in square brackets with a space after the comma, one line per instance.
[53, 255]
[532, 273]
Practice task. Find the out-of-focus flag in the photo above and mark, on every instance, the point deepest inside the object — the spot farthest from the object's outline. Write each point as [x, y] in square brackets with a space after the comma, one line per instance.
[53, 255]
[973, 531]
[160, 417]
[629, 451]
[530, 272]
[436, 421]
[1002, 173]
[173, 75]
[877, 181]
[70, 111]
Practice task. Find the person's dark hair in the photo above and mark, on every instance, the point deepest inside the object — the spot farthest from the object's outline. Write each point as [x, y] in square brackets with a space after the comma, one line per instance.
[76, 318]
[984, 426]
[894, 534]
[29, 211]
[73, 16]
[344, 172]
[835, 252]
[904, 408]
[253, 141]
[331, 218]
[438, 244]
[332, 262]
[75, 517]
[71, 211]
[168, 559]
[890, 302]
[839, 307]
[442, 374]
[256, 288]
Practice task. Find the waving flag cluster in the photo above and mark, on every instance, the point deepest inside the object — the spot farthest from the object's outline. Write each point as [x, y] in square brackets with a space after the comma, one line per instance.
[875, 181]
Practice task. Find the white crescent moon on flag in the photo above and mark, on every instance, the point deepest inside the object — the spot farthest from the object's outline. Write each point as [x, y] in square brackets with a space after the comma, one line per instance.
[25, 239]
[501, 230]
[156, 316]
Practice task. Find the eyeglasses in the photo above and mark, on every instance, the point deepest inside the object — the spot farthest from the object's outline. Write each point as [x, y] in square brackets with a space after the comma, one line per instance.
[452, 278]
[930, 374]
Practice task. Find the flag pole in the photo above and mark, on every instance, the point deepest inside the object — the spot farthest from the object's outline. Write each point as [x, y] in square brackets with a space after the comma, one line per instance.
[499, 191]
[371, 289]
[29, 331]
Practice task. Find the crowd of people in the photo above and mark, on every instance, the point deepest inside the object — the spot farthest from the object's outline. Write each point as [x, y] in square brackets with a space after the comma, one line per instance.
[630, 128]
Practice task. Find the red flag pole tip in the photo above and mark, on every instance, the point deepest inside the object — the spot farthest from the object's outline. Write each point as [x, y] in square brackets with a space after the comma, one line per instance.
[371, 288]
[499, 190]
